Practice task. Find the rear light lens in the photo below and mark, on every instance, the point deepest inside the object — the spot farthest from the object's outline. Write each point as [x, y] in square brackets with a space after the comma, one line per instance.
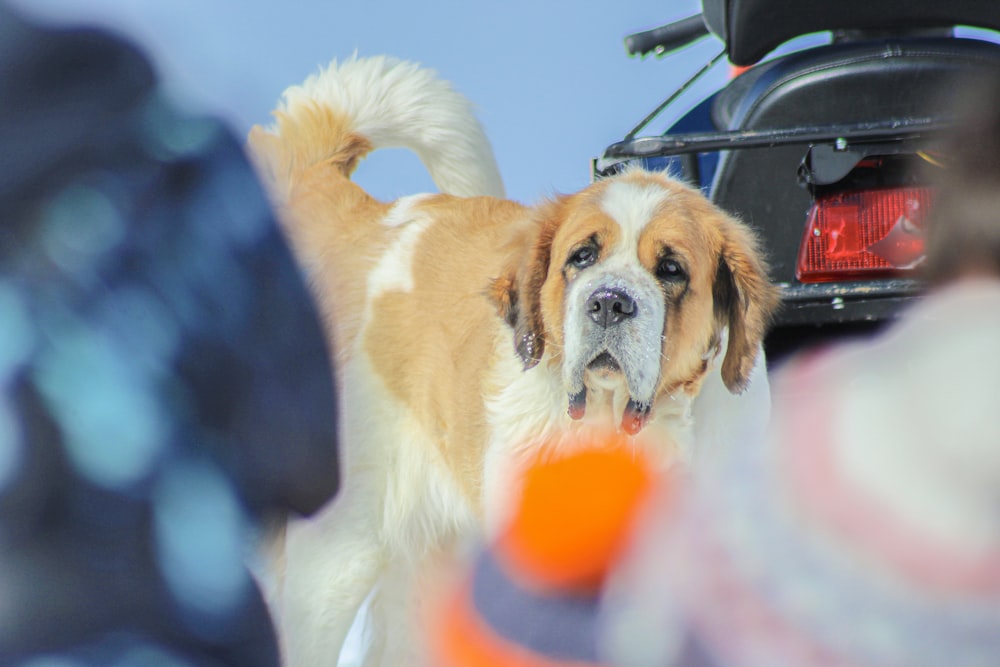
[864, 234]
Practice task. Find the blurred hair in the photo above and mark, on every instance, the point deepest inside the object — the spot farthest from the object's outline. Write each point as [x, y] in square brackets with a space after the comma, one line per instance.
[964, 229]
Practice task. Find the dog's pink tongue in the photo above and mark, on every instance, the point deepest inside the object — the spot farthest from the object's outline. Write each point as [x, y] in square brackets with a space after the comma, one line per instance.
[578, 404]
[635, 417]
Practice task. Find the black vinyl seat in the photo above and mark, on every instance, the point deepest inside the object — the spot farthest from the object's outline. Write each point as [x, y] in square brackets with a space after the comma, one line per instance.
[751, 29]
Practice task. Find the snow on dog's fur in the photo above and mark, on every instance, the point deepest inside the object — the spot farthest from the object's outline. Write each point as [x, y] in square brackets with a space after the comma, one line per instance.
[469, 330]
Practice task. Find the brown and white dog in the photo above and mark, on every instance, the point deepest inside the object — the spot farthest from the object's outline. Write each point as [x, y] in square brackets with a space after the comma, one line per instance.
[468, 331]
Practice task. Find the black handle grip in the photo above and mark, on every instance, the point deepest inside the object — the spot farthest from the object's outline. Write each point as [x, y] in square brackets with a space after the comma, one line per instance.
[666, 37]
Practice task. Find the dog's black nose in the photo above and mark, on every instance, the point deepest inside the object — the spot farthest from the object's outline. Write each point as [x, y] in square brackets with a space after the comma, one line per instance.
[610, 306]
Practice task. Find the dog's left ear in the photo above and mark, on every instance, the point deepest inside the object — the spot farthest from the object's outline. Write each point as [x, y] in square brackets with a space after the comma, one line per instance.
[745, 301]
[517, 292]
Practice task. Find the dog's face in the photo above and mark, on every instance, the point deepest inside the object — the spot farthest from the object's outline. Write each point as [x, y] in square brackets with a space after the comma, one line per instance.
[630, 284]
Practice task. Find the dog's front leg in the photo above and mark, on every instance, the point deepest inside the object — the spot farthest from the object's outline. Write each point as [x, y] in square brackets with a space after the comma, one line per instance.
[332, 562]
[406, 596]
[393, 616]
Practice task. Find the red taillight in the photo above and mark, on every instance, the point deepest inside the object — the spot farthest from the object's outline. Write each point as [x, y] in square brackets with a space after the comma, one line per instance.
[863, 234]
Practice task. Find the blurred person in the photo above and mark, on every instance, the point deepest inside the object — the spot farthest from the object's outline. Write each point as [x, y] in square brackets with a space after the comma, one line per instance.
[530, 596]
[863, 528]
[164, 383]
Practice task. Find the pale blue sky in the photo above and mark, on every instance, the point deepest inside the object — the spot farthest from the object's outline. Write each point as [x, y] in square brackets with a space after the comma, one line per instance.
[551, 80]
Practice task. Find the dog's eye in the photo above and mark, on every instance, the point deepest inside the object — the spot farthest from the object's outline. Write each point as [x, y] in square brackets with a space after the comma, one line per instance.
[583, 256]
[669, 269]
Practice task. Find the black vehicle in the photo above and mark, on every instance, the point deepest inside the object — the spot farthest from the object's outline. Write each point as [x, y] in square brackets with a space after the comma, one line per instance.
[825, 150]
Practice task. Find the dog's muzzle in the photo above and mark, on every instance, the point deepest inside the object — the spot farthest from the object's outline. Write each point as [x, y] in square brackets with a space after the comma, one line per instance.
[616, 328]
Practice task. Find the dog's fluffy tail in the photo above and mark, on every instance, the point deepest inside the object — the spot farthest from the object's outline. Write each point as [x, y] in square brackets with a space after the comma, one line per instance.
[348, 109]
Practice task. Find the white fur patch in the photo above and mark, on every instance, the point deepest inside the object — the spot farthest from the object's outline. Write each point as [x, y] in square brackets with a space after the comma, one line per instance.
[394, 271]
[632, 206]
[402, 210]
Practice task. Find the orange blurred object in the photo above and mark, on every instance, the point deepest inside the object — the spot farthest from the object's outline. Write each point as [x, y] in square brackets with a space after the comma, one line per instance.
[574, 515]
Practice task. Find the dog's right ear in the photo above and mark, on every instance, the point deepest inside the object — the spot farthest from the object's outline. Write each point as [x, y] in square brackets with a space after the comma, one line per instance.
[529, 343]
[517, 292]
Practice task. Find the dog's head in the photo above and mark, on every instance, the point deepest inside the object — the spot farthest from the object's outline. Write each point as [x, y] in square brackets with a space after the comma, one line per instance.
[630, 284]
